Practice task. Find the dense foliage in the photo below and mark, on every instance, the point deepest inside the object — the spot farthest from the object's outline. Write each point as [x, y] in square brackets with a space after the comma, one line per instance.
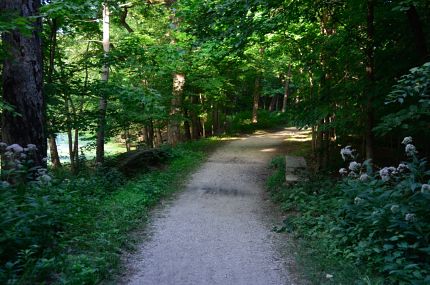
[65, 229]
[149, 73]
[377, 220]
[180, 70]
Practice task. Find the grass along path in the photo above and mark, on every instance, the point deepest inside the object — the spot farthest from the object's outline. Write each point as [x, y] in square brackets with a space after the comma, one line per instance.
[98, 234]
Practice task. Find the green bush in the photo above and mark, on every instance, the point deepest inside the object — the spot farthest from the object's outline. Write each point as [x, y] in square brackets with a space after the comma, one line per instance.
[377, 220]
[58, 228]
[383, 218]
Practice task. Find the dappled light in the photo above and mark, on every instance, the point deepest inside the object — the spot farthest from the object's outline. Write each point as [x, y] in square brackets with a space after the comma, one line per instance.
[108, 108]
[269, 150]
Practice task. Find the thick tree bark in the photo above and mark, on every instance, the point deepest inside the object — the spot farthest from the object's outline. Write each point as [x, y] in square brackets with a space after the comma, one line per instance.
[22, 82]
[101, 130]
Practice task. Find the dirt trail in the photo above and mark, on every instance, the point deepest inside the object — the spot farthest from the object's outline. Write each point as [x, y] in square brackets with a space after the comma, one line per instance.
[218, 231]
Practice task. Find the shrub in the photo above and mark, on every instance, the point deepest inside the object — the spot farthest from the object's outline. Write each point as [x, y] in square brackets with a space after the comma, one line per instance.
[377, 220]
[383, 218]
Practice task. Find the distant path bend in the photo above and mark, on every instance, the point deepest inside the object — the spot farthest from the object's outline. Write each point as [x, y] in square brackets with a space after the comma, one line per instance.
[218, 231]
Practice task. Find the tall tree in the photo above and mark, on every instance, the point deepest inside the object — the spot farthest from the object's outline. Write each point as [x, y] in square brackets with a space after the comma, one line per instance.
[370, 71]
[178, 88]
[101, 130]
[22, 81]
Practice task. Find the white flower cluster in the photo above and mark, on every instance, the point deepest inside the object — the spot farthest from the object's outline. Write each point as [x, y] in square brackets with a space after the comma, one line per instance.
[347, 153]
[364, 177]
[358, 200]
[410, 217]
[407, 140]
[43, 178]
[402, 167]
[387, 172]
[425, 188]
[354, 166]
[410, 149]
[19, 158]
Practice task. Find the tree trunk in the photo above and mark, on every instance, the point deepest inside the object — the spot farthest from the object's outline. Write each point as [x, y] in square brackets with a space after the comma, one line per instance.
[76, 147]
[22, 83]
[319, 145]
[159, 140]
[100, 144]
[55, 158]
[256, 99]
[187, 127]
[272, 106]
[370, 66]
[286, 90]
[71, 154]
[173, 127]
[195, 124]
[150, 130]
[127, 140]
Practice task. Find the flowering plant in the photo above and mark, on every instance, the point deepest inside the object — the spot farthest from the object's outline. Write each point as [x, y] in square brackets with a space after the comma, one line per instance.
[18, 165]
[385, 215]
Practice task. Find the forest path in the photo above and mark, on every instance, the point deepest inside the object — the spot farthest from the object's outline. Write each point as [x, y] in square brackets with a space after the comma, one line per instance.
[218, 231]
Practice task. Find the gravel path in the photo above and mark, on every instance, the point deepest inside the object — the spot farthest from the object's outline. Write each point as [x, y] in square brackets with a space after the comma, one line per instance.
[218, 231]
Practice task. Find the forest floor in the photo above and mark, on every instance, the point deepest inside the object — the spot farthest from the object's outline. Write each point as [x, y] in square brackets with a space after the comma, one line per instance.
[219, 230]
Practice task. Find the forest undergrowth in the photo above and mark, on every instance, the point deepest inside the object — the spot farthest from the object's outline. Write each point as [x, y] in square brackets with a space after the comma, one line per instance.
[72, 229]
[369, 227]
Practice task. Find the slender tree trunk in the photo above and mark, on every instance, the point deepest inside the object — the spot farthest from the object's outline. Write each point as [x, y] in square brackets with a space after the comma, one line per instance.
[314, 140]
[370, 66]
[76, 148]
[55, 158]
[22, 82]
[272, 106]
[278, 103]
[150, 129]
[101, 130]
[70, 134]
[187, 127]
[286, 90]
[320, 145]
[127, 140]
[203, 120]
[195, 124]
[215, 120]
[175, 110]
[159, 137]
[256, 99]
